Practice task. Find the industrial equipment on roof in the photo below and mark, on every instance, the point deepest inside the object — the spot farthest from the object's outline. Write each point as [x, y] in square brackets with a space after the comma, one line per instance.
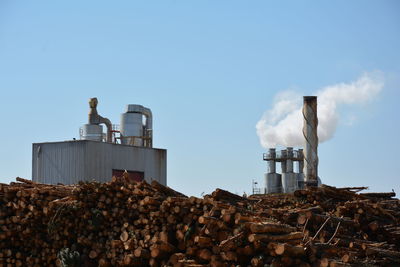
[127, 148]
[132, 130]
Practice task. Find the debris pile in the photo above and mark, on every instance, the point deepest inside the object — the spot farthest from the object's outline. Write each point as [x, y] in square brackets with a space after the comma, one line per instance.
[140, 224]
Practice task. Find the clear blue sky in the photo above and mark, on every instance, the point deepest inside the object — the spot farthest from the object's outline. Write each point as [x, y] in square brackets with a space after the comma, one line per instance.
[208, 70]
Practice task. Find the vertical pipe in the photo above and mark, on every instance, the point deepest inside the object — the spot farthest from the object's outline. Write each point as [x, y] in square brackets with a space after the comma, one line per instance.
[271, 162]
[283, 160]
[95, 118]
[149, 126]
[289, 160]
[300, 175]
[310, 125]
[301, 161]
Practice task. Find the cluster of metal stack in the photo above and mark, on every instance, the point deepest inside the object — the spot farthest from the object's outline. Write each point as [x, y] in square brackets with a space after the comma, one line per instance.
[289, 180]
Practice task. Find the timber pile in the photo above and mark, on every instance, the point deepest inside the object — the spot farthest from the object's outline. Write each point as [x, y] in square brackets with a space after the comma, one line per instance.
[124, 224]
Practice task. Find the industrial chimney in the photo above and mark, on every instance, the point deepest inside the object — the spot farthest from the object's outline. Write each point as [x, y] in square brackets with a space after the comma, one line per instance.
[311, 140]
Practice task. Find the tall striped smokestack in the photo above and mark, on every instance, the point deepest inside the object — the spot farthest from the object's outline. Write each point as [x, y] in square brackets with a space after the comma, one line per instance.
[310, 125]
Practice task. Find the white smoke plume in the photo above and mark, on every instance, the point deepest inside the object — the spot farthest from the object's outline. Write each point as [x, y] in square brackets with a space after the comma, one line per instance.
[283, 123]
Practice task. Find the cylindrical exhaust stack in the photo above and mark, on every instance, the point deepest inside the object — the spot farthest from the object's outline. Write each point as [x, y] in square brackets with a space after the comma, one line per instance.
[272, 163]
[311, 140]
[289, 161]
[289, 178]
[283, 163]
[273, 180]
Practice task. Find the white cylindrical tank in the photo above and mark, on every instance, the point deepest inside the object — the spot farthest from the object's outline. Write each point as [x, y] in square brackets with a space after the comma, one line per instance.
[300, 180]
[92, 132]
[132, 126]
[273, 183]
[289, 182]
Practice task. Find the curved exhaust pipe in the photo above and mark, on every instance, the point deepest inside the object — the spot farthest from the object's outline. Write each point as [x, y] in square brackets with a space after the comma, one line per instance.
[95, 118]
[149, 125]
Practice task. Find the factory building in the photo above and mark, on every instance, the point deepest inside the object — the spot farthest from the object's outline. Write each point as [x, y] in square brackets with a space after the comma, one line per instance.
[125, 148]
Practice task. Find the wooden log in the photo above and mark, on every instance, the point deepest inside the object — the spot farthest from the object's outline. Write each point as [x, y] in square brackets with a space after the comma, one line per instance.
[231, 242]
[166, 190]
[203, 241]
[142, 253]
[124, 236]
[246, 250]
[229, 256]
[223, 195]
[356, 189]
[161, 249]
[207, 220]
[130, 260]
[93, 254]
[217, 262]
[386, 195]
[288, 250]
[270, 228]
[204, 255]
[335, 263]
[257, 261]
[175, 258]
[394, 255]
[22, 180]
[281, 237]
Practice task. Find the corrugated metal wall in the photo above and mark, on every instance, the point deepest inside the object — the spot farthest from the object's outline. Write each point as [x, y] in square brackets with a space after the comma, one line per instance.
[73, 161]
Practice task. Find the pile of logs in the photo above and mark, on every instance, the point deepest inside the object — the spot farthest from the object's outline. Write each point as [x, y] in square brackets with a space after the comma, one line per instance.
[140, 224]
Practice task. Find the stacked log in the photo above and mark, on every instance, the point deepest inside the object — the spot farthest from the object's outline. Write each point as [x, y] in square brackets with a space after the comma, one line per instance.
[140, 224]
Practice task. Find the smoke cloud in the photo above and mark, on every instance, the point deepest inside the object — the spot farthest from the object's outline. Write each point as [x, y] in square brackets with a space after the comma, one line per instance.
[283, 123]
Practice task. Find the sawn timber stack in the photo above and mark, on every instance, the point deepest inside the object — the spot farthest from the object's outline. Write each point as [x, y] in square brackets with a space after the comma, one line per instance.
[138, 224]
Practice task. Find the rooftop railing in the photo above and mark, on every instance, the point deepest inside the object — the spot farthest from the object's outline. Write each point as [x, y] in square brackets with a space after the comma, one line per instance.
[284, 155]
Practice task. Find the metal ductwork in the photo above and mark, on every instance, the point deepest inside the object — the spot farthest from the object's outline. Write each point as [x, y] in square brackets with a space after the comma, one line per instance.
[311, 140]
[92, 130]
[149, 125]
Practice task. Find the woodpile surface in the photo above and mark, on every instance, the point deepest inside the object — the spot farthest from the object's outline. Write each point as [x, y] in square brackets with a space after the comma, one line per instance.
[140, 224]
